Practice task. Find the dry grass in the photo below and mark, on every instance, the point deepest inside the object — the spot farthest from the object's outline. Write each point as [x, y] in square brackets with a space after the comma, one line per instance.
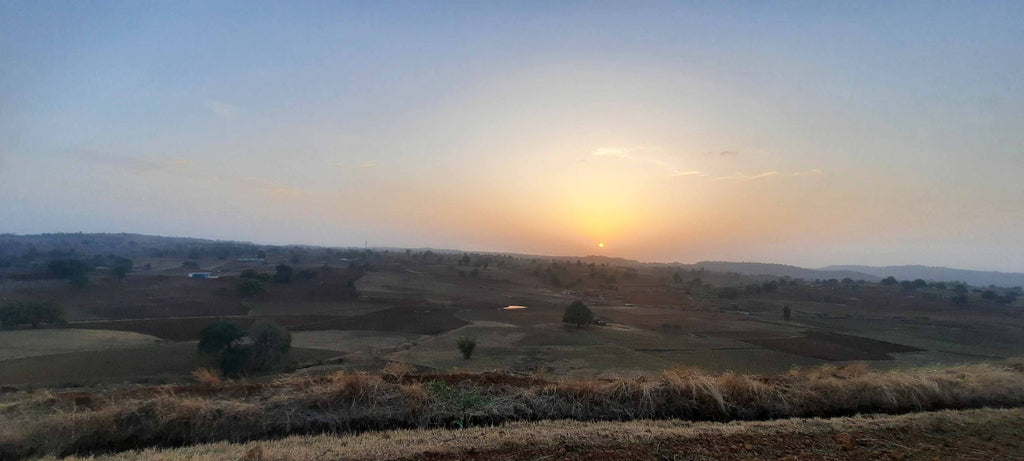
[208, 377]
[979, 435]
[352, 402]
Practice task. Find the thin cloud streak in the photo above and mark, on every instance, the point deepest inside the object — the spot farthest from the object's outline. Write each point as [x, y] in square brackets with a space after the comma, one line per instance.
[630, 153]
[745, 177]
[220, 108]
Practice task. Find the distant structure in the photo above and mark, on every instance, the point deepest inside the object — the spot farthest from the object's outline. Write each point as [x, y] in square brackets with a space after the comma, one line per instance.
[251, 260]
[201, 275]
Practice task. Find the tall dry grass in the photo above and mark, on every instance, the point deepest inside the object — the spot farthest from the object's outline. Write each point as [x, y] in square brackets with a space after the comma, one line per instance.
[351, 402]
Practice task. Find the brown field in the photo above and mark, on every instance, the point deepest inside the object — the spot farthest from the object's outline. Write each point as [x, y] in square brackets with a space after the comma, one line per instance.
[833, 346]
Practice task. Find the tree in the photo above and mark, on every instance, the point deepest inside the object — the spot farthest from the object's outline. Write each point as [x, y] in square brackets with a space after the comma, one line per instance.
[122, 267]
[233, 359]
[217, 336]
[269, 343]
[890, 280]
[283, 274]
[251, 287]
[67, 268]
[785, 313]
[728, 292]
[31, 313]
[578, 313]
[466, 346]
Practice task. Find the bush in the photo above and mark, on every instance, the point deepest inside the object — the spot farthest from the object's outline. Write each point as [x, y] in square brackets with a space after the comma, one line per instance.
[31, 313]
[217, 336]
[283, 273]
[466, 346]
[578, 313]
[251, 287]
[249, 274]
[234, 360]
[268, 343]
[786, 313]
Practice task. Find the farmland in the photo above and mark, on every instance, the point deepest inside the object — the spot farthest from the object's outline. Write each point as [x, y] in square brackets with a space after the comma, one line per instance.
[365, 308]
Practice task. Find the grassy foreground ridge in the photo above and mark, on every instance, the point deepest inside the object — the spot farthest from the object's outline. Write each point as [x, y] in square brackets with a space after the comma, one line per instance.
[983, 434]
[44, 423]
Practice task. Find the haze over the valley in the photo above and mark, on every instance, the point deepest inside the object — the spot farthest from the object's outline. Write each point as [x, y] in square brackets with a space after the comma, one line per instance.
[812, 135]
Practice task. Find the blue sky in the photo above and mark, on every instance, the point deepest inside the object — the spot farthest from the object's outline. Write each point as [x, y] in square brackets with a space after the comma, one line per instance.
[808, 133]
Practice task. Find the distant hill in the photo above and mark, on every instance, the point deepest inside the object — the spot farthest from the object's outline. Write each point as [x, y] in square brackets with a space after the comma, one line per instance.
[943, 274]
[783, 270]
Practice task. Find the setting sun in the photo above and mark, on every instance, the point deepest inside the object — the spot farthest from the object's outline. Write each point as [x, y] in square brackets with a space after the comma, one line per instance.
[600, 245]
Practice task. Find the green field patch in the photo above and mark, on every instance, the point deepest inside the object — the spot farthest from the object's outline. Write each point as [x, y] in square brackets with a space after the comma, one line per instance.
[30, 343]
[160, 362]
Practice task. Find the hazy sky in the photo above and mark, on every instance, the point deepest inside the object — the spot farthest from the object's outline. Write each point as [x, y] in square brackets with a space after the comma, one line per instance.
[807, 133]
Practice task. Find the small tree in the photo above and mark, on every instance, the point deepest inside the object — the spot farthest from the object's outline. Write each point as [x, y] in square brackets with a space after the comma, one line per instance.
[890, 280]
[218, 336]
[251, 287]
[578, 313]
[466, 345]
[283, 274]
[234, 359]
[269, 343]
[31, 313]
[785, 313]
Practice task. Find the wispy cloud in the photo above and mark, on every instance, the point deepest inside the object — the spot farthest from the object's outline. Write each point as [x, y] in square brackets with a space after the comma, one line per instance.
[175, 165]
[272, 188]
[813, 172]
[746, 177]
[219, 107]
[639, 154]
[357, 165]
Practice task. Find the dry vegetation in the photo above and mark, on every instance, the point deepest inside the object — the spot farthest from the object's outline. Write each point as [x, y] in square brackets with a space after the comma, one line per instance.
[81, 422]
[952, 434]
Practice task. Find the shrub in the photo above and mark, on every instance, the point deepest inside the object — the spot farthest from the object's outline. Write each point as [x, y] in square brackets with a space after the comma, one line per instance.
[578, 313]
[251, 287]
[234, 359]
[217, 336]
[728, 292]
[249, 274]
[283, 273]
[466, 346]
[786, 313]
[208, 377]
[31, 313]
[268, 343]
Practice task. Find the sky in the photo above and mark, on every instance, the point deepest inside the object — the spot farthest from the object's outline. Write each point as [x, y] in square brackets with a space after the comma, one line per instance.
[806, 133]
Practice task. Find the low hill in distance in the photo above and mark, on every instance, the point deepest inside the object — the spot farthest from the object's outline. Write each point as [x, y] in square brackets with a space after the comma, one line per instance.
[931, 273]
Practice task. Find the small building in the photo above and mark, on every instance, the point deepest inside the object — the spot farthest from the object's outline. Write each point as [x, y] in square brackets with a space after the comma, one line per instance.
[201, 275]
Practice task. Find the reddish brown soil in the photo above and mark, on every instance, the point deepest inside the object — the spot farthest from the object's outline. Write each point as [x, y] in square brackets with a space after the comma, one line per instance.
[832, 346]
